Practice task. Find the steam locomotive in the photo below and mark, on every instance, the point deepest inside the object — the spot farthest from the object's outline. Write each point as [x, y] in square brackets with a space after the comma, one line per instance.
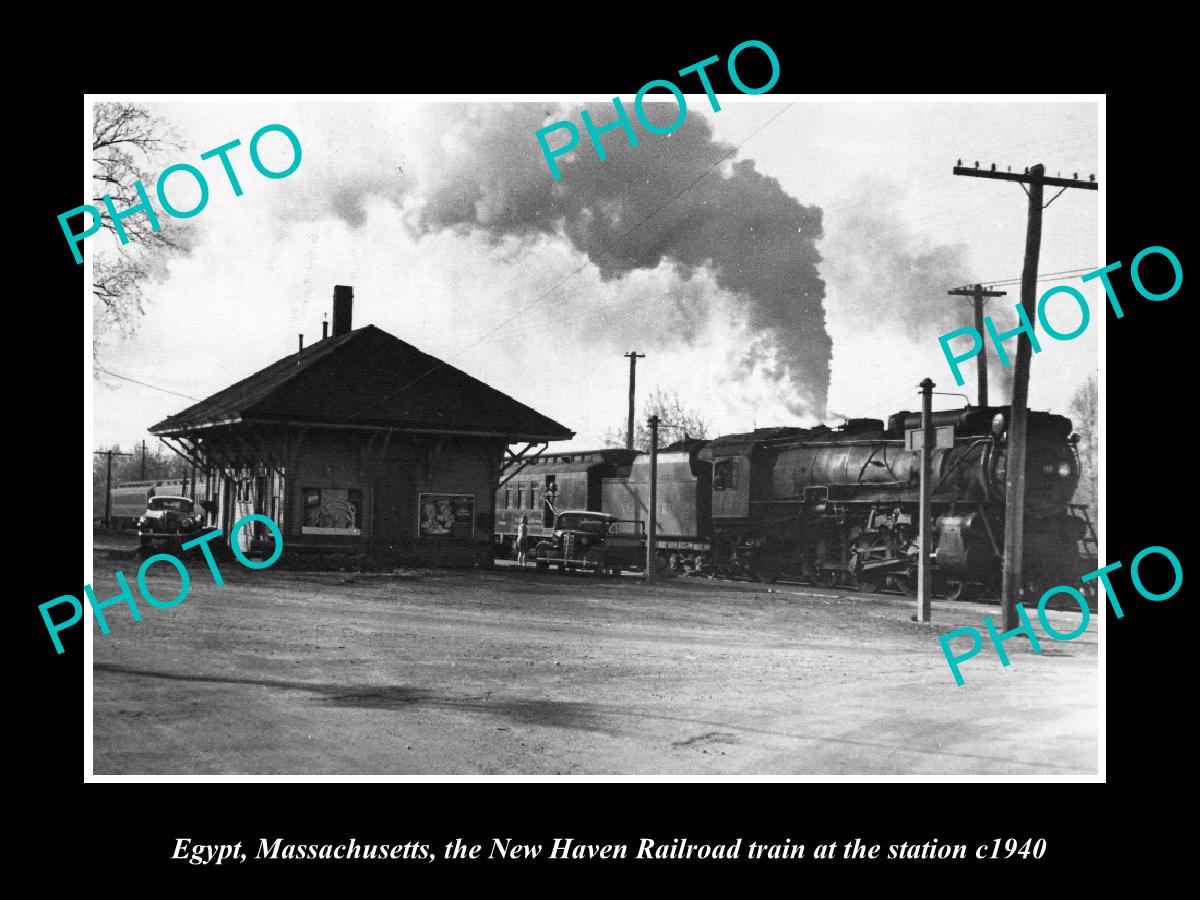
[833, 506]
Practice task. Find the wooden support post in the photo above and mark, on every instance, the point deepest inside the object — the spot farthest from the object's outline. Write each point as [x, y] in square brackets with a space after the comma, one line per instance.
[925, 538]
[634, 356]
[652, 512]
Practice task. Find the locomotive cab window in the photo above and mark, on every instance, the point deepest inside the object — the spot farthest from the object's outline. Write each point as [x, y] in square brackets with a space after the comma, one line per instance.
[724, 476]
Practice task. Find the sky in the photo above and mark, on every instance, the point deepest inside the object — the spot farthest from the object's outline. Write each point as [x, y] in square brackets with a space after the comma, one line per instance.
[778, 262]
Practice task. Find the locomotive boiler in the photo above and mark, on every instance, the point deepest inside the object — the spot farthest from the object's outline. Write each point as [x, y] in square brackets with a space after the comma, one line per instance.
[840, 505]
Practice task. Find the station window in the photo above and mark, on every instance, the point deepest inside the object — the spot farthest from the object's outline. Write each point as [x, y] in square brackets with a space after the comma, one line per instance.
[332, 511]
[725, 476]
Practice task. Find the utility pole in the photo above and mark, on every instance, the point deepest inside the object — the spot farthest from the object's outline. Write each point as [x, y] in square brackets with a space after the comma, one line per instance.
[108, 482]
[977, 293]
[1012, 586]
[144, 454]
[925, 541]
[634, 356]
[652, 513]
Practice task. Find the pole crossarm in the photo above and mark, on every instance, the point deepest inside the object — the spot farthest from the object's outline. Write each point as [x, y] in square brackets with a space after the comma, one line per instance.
[975, 290]
[1029, 178]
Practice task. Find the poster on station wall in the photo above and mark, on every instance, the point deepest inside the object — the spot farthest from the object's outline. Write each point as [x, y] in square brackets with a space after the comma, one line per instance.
[446, 515]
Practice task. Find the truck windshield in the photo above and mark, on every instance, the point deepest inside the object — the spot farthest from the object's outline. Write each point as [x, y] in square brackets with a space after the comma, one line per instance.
[575, 522]
[174, 504]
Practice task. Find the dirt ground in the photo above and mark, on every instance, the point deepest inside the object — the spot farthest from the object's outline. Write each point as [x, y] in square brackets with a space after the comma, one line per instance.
[510, 672]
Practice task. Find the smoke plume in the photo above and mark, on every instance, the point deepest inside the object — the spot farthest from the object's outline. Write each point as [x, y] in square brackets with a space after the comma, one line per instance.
[884, 276]
[640, 208]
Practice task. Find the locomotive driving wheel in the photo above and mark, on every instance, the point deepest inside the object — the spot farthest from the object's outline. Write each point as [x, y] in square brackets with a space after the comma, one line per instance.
[873, 548]
[764, 571]
[959, 590]
[871, 583]
[822, 577]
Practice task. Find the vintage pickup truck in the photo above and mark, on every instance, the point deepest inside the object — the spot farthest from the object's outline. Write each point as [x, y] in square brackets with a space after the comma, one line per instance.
[593, 541]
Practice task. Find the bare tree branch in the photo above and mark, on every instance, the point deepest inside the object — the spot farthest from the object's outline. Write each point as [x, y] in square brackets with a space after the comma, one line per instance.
[677, 421]
[128, 145]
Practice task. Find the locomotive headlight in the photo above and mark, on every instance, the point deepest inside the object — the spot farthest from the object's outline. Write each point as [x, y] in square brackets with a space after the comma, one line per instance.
[998, 424]
[1064, 469]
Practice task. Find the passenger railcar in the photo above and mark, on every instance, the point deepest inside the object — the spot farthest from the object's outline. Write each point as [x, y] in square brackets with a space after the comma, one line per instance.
[536, 488]
[130, 499]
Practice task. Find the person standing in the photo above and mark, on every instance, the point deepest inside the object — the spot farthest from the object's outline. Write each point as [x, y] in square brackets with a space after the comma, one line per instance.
[522, 540]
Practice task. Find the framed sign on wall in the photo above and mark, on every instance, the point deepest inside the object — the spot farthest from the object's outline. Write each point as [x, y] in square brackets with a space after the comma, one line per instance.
[446, 515]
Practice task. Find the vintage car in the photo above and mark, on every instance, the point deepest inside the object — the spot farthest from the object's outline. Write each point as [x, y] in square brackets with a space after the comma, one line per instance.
[169, 521]
[595, 541]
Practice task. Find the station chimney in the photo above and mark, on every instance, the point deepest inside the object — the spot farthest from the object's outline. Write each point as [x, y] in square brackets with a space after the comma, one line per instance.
[343, 309]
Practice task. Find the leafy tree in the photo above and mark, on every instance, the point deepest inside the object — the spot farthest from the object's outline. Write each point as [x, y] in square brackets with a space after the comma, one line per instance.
[677, 420]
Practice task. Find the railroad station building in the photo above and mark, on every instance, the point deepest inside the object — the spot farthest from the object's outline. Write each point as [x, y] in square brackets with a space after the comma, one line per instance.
[358, 443]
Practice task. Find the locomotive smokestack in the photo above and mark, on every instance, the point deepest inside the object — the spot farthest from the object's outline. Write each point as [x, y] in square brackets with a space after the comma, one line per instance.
[343, 309]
